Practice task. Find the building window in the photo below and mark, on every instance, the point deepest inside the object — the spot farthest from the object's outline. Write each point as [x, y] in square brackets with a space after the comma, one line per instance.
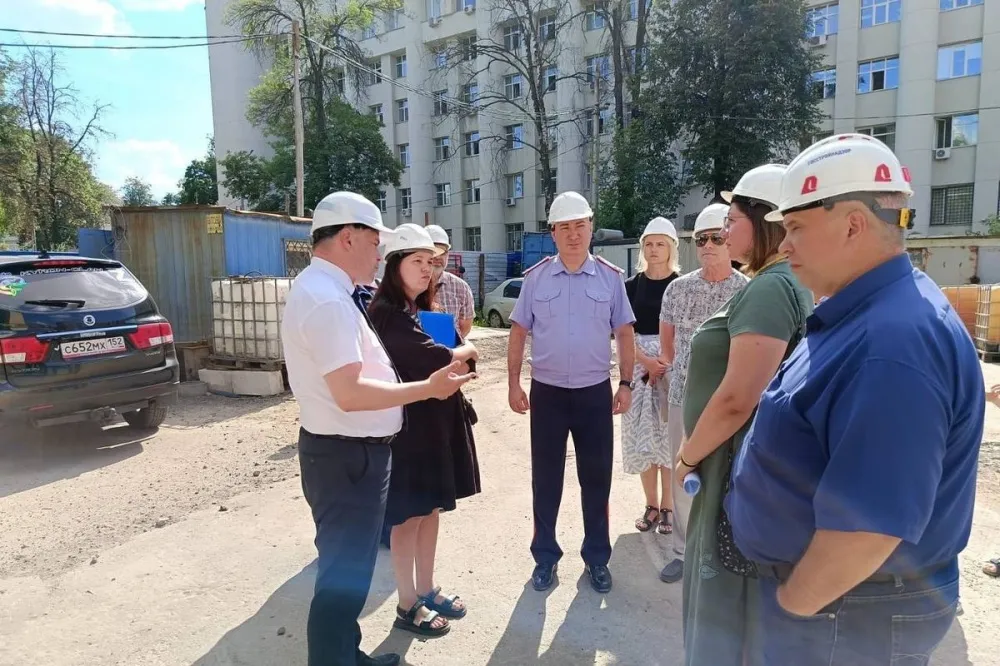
[958, 4]
[440, 59]
[382, 206]
[593, 19]
[471, 144]
[442, 194]
[472, 193]
[603, 121]
[473, 239]
[375, 75]
[341, 81]
[515, 186]
[441, 103]
[877, 12]
[542, 226]
[951, 205]
[960, 60]
[552, 179]
[689, 220]
[634, 7]
[368, 32]
[402, 111]
[405, 198]
[958, 131]
[515, 137]
[376, 110]
[512, 86]
[442, 148]
[470, 93]
[404, 155]
[400, 61]
[598, 65]
[547, 28]
[511, 37]
[514, 234]
[588, 180]
[551, 75]
[433, 9]
[468, 4]
[884, 133]
[552, 134]
[394, 19]
[467, 46]
[824, 84]
[823, 21]
[882, 74]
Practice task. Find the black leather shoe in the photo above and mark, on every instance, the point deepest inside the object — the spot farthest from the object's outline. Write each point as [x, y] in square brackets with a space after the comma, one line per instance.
[543, 577]
[600, 577]
[388, 659]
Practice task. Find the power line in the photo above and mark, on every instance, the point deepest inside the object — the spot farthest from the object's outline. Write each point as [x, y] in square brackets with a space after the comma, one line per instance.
[110, 36]
[110, 47]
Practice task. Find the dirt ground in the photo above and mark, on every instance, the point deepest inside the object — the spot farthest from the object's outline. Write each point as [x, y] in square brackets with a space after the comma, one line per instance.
[193, 546]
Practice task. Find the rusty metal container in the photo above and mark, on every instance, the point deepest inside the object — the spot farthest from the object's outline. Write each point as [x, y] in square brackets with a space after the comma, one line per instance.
[965, 301]
[988, 318]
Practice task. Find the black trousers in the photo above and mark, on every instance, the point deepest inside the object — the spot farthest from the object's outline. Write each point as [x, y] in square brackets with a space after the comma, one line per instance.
[346, 485]
[586, 414]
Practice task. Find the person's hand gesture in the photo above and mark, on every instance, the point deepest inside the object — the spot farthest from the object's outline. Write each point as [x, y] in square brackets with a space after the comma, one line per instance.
[446, 381]
[518, 399]
[623, 400]
[993, 395]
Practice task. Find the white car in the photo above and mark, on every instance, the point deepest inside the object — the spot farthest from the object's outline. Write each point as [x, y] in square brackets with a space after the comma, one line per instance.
[499, 303]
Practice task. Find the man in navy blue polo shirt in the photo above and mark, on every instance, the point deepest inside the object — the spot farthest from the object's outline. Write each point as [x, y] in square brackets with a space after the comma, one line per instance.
[855, 487]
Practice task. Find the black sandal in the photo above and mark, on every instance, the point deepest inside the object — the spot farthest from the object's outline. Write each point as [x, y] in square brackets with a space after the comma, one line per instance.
[644, 524]
[446, 608]
[407, 621]
[992, 568]
[665, 526]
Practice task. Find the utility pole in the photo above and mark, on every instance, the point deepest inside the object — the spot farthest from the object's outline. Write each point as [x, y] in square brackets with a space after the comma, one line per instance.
[596, 150]
[300, 204]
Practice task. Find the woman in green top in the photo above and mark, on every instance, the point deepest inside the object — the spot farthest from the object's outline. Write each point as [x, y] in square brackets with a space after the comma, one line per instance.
[734, 354]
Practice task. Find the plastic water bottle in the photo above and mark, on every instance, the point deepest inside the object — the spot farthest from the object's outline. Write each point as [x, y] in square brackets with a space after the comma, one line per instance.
[692, 483]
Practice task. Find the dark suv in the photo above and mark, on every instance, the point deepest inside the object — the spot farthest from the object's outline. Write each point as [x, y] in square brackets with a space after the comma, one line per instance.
[78, 338]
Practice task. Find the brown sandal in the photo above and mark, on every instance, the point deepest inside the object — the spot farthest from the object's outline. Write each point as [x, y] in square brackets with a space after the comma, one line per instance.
[645, 523]
[992, 568]
[665, 525]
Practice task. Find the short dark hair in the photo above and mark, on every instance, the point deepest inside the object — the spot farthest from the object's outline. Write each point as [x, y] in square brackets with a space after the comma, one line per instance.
[767, 236]
[324, 233]
[392, 291]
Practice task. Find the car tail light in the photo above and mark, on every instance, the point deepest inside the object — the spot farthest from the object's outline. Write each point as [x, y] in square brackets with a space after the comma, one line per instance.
[153, 335]
[22, 351]
[54, 263]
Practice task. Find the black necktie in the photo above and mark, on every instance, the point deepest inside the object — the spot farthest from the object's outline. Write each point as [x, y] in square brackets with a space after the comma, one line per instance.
[361, 298]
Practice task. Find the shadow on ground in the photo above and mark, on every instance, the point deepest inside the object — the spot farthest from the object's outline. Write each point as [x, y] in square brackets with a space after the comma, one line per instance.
[31, 458]
[205, 410]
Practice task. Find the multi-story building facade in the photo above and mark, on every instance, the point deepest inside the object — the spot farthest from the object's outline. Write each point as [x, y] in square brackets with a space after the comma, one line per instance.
[924, 77]
[911, 72]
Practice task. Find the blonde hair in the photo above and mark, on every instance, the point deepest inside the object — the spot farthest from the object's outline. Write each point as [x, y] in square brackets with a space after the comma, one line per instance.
[673, 263]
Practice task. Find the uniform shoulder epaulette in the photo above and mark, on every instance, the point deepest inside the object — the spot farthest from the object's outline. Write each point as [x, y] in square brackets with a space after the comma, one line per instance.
[543, 261]
[608, 263]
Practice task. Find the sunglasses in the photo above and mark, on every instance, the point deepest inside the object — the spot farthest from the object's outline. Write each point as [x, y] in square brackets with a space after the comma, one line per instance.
[702, 241]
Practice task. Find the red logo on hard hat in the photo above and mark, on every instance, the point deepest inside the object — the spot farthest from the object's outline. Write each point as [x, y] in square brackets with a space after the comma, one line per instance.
[882, 174]
[906, 175]
[810, 185]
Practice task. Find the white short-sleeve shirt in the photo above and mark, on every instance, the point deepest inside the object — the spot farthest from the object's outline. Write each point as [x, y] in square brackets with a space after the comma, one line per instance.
[322, 331]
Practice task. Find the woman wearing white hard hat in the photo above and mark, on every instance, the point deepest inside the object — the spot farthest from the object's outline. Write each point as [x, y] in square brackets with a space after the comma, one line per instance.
[686, 304]
[734, 354]
[645, 447]
[434, 459]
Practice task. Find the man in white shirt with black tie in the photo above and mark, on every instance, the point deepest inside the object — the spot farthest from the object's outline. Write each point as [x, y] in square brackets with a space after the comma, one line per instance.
[351, 408]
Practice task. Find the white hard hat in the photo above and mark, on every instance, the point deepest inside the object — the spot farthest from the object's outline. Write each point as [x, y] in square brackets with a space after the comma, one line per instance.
[342, 208]
[761, 184]
[840, 165]
[711, 218]
[569, 206]
[438, 235]
[659, 226]
[410, 237]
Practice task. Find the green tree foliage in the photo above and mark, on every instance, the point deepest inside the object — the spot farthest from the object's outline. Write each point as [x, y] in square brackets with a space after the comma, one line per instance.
[46, 137]
[200, 184]
[730, 78]
[137, 192]
[343, 149]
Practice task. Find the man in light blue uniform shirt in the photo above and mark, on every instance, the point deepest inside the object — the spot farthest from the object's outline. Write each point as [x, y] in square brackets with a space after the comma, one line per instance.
[854, 489]
[571, 304]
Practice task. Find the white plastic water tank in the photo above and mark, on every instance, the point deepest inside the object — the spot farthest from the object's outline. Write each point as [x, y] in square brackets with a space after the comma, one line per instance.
[246, 317]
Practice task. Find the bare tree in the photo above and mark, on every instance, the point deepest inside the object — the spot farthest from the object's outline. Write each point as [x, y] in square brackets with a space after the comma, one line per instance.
[524, 49]
[627, 61]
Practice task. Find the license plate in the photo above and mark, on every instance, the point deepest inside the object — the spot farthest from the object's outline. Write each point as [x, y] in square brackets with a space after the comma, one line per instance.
[82, 348]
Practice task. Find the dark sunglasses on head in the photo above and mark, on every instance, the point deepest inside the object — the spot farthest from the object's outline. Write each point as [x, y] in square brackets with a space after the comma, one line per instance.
[702, 241]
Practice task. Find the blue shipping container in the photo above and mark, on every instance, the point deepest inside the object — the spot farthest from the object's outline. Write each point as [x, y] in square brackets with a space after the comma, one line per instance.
[98, 243]
[535, 246]
[255, 242]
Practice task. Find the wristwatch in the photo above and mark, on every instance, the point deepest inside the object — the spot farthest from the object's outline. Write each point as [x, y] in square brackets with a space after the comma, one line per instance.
[626, 384]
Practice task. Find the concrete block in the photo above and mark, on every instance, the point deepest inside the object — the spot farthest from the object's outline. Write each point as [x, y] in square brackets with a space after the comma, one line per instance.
[243, 382]
[192, 389]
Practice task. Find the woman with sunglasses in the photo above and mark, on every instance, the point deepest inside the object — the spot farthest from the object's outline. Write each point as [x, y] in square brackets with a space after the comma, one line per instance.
[687, 302]
[734, 354]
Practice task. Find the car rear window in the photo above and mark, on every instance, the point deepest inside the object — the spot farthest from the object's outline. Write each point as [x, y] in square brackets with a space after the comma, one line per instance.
[101, 286]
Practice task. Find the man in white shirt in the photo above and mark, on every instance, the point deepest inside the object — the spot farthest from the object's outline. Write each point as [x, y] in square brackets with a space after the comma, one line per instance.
[351, 403]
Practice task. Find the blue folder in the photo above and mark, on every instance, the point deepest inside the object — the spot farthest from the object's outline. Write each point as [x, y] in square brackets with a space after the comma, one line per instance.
[440, 326]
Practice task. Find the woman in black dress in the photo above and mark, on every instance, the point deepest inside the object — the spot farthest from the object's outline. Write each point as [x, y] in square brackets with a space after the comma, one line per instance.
[434, 457]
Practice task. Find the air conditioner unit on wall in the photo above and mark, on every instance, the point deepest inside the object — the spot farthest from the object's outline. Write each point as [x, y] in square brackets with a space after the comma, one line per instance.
[434, 21]
[407, 212]
[942, 153]
[817, 40]
[469, 9]
[511, 201]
